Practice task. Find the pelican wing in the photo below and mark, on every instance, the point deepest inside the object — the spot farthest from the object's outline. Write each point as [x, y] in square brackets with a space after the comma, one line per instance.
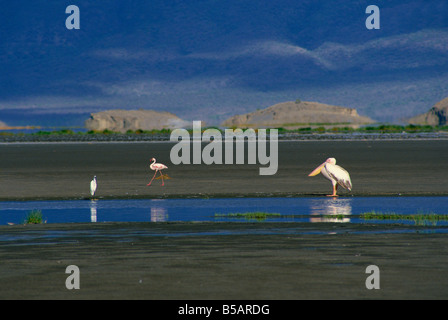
[340, 175]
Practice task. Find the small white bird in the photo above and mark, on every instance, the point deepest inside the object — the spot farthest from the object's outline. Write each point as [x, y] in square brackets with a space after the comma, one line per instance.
[93, 186]
[157, 167]
[336, 174]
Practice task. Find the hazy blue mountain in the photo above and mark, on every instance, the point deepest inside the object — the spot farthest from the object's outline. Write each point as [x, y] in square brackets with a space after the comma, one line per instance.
[212, 59]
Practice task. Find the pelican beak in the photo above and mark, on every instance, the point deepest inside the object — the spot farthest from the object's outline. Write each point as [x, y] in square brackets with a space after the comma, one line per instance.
[317, 170]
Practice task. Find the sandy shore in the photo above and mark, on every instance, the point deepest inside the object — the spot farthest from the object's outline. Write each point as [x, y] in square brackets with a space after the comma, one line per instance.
[202, 260]
[64, 170]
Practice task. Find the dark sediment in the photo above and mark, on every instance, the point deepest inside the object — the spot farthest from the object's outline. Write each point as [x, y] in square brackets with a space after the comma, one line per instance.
[203, 261]
[221, 260]
[64, 170]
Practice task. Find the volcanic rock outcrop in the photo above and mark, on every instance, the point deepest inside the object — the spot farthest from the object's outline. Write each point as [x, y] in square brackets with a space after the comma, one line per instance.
[436, 116]
[124, 120]
[294, 114]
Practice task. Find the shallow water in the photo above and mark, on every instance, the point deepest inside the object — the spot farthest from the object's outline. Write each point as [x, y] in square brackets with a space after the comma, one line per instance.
[300, 209]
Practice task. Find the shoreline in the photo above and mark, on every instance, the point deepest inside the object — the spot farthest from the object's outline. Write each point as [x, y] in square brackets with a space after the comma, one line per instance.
[282, 137]
[315, 139]
[212, 228]
[222, 196]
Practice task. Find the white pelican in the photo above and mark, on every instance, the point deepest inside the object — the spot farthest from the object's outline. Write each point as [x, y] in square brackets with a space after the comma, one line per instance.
[157, 167]
[336, 174]
[93, 186]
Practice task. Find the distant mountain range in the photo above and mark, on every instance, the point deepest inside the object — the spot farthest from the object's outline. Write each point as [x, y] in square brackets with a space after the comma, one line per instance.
[209, 60]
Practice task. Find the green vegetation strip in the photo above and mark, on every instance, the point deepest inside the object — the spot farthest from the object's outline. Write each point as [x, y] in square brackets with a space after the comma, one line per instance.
[35, 216]
[305, 128]
[250, 215]
[417, 218]
[260, 216]
[365, 129]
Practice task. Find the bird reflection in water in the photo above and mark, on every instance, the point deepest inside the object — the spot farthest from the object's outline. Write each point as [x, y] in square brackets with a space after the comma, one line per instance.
[93, 206]
[158, 214]
[331, 210]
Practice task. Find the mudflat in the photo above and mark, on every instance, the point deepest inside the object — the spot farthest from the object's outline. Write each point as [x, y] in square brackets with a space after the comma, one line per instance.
[64, 170]
[253, 261]
[170, 260]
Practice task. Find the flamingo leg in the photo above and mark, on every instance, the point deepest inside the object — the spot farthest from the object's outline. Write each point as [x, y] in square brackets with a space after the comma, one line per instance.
[152, 178]
[162, 177]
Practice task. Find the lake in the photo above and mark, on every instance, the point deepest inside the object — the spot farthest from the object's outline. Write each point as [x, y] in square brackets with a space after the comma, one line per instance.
[291, 209]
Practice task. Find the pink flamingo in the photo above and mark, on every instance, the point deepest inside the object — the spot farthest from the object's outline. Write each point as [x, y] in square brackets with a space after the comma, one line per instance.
[157, 167]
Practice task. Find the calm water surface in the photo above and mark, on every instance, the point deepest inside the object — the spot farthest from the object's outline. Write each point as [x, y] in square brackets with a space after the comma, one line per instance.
[301, 209]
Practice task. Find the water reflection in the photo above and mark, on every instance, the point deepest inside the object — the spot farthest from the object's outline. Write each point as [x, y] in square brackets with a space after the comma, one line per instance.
[93, 206]
[331, 210]
[310, 209]
[158, 213]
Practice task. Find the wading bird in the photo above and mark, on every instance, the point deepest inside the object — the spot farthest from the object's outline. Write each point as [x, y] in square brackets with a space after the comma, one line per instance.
[336, 174]
[93, 186]
[157, 167]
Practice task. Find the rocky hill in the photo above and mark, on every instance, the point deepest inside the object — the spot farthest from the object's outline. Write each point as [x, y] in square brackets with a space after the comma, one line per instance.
[296, 114]
[124, 120]
[436, 116]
